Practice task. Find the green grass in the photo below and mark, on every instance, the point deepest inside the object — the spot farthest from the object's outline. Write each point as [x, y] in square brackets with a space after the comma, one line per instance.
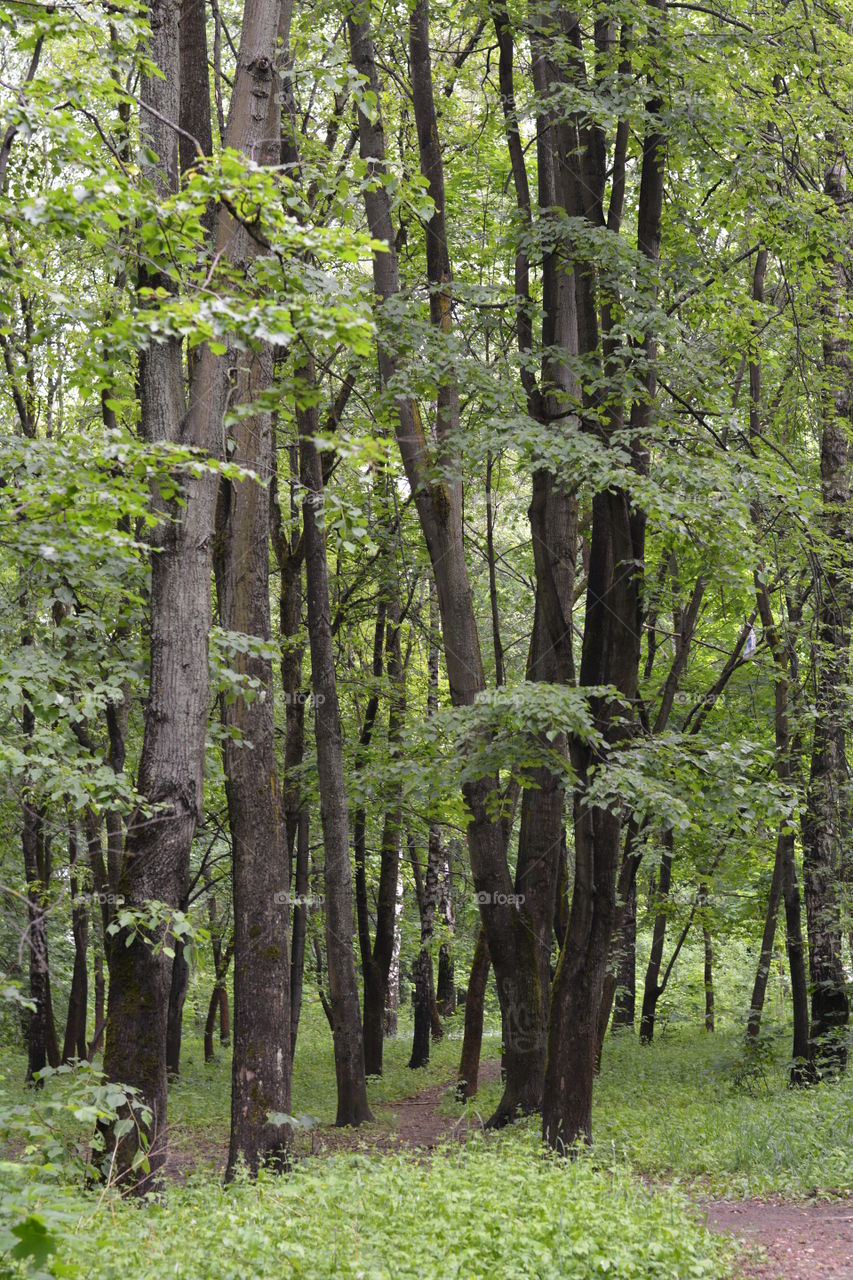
[498, 1208]
[199, 1101]
[685, 1108]
[690, 1110]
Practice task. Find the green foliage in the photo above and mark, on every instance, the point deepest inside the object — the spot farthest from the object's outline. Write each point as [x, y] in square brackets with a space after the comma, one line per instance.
[690, 1116]
[394, 1216]
[56, 1134]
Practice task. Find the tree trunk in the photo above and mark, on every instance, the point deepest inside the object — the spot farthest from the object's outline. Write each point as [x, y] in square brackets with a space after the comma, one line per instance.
[392, 999]
[708, 974]
[156, 861]
[376, 956]
[611, 641]
[827, 810]
[436, 485]
[261, 1062]
[626, 971]
[651, 988]
[787, 752]
[768, 939]
[445, 992]
[426, 1013]
[38, 1024]
[215, 1006]
[347, 1033]
[475, 1001]
[177, 997]
[378, 961]
[300, 926]
[74, 1045]
[100, 996]
[156, 855]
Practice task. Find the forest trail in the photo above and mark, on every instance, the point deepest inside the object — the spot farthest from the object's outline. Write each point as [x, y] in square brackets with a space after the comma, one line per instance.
[812, 1241]
[800, 1241]
[415, 1122]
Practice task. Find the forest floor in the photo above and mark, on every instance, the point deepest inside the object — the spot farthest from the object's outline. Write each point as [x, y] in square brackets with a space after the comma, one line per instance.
[808, 1241]
[782, 1240]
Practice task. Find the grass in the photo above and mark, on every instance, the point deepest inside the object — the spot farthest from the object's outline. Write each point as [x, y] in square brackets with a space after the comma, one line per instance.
[692, 1113]
[199, 1101]
[692, 1109]
[497, 1208]
[689, 1108]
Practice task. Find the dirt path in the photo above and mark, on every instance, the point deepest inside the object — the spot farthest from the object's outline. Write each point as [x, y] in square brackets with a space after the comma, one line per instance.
[812, 1241]
[414, 1122]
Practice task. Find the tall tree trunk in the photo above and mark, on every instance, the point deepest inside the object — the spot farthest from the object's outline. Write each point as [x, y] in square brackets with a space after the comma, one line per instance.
[177, 997]
[74, 1044]
[156, 856]
[626, 969]
[300, 925]
[826, 809]
[611, 643]
[708, 948]
[261, 1062]
[787, 751]
[768, 939]
[651, 988]
[377, 960]
[437, 489]
[347, 1033]
[475, 999]
[289, 554]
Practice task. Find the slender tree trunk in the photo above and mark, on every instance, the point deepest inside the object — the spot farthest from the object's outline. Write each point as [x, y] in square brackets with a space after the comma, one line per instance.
[426, 1014]
[787, 752]
[445, 991]
[300, 926]
[100, 994]
[651, 988]
[215, 1005]
[378, 960]
[626, 970]
[475, 1001]
[768, 939]
[826, 809]
[38, 1030]
[347, 1033]
[74, 1044]
[708, 948]
[392, 999]
[436, 484]
[177, 997]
